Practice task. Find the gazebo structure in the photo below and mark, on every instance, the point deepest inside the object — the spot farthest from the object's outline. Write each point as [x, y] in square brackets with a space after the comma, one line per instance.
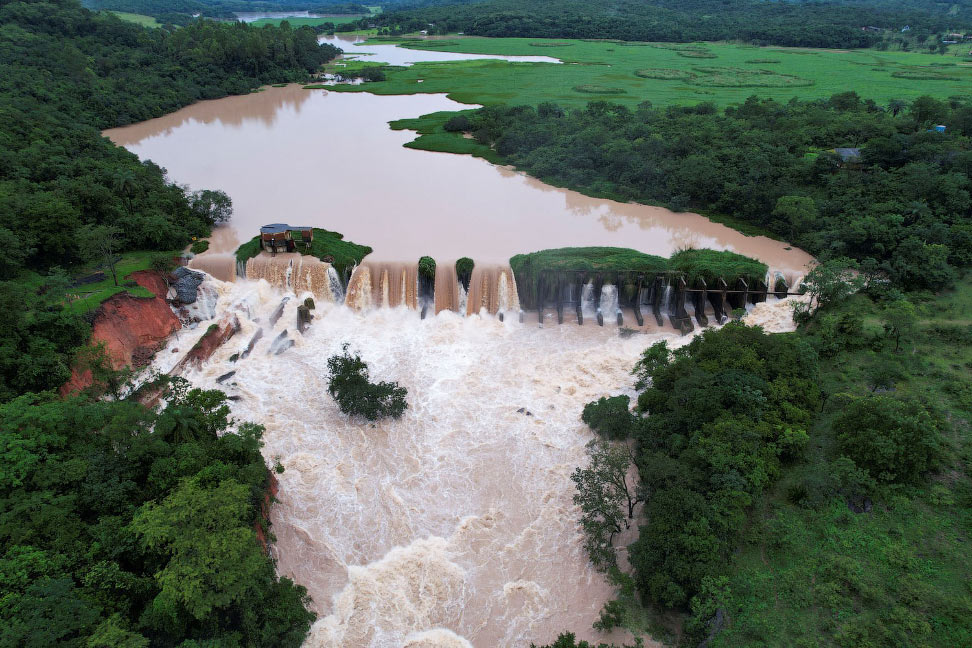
[280, 237]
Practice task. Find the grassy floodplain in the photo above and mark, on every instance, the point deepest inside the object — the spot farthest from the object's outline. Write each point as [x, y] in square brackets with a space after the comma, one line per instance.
[138, 19]
[667, 73]
[307, 22]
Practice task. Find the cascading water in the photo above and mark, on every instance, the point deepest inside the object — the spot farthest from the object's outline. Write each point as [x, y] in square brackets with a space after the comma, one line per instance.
[609, 300]
[447, 288]
[383, 284]
[220, 266]
[666, 300]
[296, 272]
[454, 525]
[492, 288]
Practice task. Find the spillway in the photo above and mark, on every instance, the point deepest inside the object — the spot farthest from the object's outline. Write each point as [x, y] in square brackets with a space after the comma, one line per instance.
[454, 525]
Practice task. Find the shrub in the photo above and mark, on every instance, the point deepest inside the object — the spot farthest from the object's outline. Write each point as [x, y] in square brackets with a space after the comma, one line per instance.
[895, 440]
[464, 267]
[610, 417]
[594, 88]
[457, 124]
[356, 395]
[426, 267]
[199, 247]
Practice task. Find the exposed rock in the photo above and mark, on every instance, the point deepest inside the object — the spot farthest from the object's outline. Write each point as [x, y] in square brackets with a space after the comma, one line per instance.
[264, 518]
[226, 376]
[131, 328]
[186, 284]
[278, 311]
[203, 306]
[249, 347]
[214, 337]
[304, 318]
[281, 343]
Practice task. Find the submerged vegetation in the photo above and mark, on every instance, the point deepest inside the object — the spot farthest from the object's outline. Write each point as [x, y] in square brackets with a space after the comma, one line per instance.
[356, 395]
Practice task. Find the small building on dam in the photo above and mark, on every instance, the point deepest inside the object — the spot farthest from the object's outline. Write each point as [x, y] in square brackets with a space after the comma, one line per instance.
[280, 237]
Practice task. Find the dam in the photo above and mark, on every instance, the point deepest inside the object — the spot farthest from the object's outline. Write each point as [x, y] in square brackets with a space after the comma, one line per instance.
[452, 527]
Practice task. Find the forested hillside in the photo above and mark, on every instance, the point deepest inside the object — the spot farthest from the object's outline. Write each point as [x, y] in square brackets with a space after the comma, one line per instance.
[809, 24]
[226, 9]
[66, 74]
[119, 525]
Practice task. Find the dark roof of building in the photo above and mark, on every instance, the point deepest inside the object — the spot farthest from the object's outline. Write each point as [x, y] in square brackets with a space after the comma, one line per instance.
[847, 154]
[278, 228]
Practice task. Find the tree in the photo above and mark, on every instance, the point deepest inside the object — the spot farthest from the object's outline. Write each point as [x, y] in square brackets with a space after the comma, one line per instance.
[209, 551]
[602, 493]
[656, 356]
[611, 417]
[102, 242]
[798, 212]
[896, 106]
[895, 440]
[927, 109]
[829, 283]
[356, 396]
[211, 206]
[125, 185]
[900, 322]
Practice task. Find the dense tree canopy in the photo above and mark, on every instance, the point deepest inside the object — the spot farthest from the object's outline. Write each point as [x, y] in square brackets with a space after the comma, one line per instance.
[903, 207]
[123, 527]
[836, 23]
[65, 74]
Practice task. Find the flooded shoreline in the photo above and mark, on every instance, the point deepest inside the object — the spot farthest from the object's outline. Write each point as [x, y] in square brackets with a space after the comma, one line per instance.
[309, 157]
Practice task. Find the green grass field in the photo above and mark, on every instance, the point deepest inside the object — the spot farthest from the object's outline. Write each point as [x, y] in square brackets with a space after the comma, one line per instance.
[88, 296]
[668, 73]
[139, 19]
[306, 22]
[817, 576]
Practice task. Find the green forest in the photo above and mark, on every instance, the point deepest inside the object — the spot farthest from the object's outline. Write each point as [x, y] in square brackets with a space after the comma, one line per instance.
[68, 73]
[119, 525]
[898, 204]
[799, 24]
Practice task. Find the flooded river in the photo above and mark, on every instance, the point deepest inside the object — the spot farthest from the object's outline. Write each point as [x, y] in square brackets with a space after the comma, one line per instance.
[309, 157]
[453, 526]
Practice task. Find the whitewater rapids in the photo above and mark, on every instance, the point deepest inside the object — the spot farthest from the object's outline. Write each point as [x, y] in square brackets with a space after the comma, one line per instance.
[453, 526]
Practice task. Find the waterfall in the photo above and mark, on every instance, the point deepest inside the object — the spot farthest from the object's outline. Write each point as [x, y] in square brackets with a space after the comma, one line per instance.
[220, 266]
[492, 288]
[296, 272]
[587, 299]
[666, 303]
[386, 284]
[609, 299]
[447, 288]
[334, 281]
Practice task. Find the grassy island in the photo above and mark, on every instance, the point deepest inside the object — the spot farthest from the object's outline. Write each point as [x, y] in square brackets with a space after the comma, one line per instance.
[327, 246]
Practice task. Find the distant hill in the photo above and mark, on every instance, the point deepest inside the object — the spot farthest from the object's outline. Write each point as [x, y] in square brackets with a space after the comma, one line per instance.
[834, 23]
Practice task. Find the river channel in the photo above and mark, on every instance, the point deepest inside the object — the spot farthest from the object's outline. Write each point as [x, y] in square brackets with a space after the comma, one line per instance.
[453, 526]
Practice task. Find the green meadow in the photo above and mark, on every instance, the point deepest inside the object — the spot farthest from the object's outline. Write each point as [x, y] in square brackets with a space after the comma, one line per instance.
[668, 73]
[306, 22]
[138, 19]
